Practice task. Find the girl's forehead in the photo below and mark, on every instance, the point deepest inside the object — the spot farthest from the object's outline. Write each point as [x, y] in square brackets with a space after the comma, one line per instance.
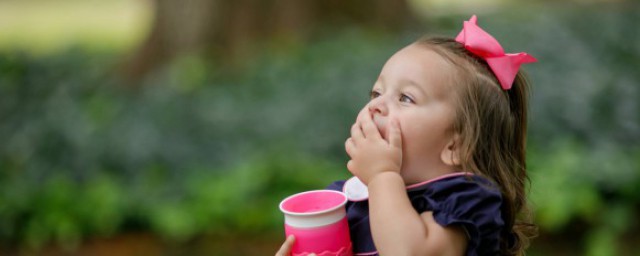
[420, 66]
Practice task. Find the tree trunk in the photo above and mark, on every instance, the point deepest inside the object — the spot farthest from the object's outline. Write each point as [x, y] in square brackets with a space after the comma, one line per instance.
[225, 29]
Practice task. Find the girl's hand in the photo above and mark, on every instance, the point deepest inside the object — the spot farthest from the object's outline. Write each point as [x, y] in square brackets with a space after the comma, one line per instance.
[370, 153]
[285, 249]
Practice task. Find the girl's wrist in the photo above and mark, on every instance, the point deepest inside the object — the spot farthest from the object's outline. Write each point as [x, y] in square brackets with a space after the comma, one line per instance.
[384, 178]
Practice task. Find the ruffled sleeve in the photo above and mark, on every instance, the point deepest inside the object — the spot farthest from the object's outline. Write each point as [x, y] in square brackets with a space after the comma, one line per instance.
[471, 202]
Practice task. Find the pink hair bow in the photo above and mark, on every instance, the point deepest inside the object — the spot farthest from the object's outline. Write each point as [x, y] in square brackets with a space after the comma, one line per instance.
[480, 43]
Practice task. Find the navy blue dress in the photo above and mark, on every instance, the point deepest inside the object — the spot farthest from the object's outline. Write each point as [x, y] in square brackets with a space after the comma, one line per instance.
[470, 201]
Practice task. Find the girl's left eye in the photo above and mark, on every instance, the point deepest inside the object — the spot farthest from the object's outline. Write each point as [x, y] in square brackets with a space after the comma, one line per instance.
[406, 99]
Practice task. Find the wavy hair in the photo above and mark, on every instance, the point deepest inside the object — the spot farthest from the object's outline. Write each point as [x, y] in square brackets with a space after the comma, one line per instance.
[492, 124]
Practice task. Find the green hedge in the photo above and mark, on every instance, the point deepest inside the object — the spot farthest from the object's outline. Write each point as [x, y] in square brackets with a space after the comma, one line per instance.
[181, 154]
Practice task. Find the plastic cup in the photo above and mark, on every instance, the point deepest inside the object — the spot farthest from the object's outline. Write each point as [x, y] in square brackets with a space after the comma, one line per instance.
[318, 220]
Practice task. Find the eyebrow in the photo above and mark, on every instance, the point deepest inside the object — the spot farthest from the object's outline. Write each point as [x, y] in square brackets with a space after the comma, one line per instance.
[404, 83]
[413, 84]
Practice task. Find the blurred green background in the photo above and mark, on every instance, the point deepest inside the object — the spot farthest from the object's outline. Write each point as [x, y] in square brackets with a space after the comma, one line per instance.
[175, 127]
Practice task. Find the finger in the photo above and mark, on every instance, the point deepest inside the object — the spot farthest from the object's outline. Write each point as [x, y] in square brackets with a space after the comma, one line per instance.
[369, 128]
[363, 112]
[356, 132]
[351, 166]
[395, 135]
[349, 146]
[285, 249]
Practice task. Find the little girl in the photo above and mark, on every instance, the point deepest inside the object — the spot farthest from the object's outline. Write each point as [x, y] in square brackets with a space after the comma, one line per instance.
[441, 148]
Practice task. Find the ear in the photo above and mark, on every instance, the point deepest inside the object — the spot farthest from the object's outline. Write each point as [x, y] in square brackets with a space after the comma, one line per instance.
[451, 152]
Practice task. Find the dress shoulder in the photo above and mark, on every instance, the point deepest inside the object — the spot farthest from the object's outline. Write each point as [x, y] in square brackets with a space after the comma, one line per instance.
[470, 201]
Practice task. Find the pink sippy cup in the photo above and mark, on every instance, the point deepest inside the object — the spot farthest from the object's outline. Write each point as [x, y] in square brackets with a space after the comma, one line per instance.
[318, 220]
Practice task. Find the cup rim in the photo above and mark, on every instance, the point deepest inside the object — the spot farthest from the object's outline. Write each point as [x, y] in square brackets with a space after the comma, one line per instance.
[344, 201]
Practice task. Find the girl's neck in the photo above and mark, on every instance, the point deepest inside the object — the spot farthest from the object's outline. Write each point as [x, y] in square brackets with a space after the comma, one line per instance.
[428, 174]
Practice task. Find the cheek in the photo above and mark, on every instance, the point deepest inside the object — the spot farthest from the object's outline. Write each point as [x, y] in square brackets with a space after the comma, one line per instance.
[423, 136]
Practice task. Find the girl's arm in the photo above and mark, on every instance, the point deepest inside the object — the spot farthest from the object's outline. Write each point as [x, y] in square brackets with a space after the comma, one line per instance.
[397, 229]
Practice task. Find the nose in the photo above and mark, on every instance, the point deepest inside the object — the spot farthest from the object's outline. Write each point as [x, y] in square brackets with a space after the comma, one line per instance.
[379, 109]
[379, 106]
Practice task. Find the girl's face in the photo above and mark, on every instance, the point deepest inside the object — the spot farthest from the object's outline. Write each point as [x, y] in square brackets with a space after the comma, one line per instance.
[414, 88]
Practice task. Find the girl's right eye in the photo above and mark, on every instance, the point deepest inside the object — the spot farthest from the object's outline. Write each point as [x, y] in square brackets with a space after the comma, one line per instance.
[374, 94]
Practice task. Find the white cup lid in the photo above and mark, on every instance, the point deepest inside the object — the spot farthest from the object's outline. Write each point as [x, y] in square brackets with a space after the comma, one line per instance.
[355, 190]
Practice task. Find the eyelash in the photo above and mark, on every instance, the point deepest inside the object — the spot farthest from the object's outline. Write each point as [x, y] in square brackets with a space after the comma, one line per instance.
[403, 96]
[375, 94]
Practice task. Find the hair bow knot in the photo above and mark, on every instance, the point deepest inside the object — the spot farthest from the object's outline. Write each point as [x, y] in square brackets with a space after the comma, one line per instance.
[482, 44]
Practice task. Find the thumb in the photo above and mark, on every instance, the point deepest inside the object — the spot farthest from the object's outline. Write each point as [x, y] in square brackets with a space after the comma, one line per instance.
[285, 249]
[395, 136]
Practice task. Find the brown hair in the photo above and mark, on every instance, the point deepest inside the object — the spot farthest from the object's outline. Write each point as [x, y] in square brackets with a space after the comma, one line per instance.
[492, 124]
